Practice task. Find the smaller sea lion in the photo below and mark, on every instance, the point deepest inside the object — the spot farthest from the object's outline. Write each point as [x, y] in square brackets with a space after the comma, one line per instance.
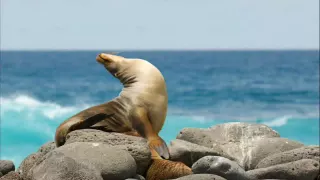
[140, 108]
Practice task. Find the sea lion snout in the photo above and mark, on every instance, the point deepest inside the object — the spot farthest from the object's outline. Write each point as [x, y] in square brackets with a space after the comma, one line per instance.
[103, 58]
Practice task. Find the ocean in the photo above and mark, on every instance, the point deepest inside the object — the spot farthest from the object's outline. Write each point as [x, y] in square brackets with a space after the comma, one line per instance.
[39, 90]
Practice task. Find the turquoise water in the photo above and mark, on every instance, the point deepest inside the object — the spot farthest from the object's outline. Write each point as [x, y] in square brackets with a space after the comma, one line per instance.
[39, 90]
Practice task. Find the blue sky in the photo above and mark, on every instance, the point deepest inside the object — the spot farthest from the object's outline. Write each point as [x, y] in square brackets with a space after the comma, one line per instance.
[161, 24]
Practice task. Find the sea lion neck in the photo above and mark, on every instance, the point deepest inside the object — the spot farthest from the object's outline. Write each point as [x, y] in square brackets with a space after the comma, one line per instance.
[127, 80]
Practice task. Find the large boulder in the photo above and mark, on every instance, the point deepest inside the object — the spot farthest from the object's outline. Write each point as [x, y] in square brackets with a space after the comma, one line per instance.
[258, 149]
[136, 146]
[240, 141]
[225, 133]
[33, 158]
[306, 152]
[189, 153]
[47, 147]
[6, 166]
[220, 166]
[304, 169]
[28, 163]
[82, 161]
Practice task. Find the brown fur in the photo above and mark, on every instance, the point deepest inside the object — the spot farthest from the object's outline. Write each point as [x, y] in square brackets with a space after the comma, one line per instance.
[162, 169]
[141, 105]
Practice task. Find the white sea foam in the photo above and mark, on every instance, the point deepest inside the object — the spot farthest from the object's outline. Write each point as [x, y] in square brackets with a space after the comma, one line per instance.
[278, 121]
[31, 105]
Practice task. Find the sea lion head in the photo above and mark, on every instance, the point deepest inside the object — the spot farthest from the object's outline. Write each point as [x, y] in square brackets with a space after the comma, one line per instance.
[113, 63]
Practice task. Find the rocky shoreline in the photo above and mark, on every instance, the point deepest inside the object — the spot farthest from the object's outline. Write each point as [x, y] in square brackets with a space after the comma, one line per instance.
[232, 151]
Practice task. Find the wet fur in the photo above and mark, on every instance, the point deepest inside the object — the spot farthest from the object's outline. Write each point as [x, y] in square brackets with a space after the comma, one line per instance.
[162, 169]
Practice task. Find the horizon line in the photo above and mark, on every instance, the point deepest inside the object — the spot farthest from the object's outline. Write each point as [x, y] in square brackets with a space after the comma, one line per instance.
[194, 49]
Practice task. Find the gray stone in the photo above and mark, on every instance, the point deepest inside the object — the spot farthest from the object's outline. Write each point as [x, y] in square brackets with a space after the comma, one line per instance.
[33, 158]
[28, 163]
[136, 146]
[235, 139]
[306, 152]
[220, 166]
[304, 169]
[6, 166]
[201, 177]
[226, 133]
[189, 153]
[260, 148]
[82, 161]
[12, 175]
[57, 166]
[49, 146]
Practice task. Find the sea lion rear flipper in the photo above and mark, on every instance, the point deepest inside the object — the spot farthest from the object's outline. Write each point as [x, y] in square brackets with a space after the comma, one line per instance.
[77, 122]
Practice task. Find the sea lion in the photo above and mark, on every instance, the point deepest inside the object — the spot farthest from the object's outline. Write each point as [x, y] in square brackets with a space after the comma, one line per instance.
[140, 109]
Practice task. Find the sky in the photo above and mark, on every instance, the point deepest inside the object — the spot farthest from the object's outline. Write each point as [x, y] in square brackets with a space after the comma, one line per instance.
[159, 24]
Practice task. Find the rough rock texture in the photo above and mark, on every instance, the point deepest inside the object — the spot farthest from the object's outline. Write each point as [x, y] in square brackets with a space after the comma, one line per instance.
[241, 141]
[11, 176]
[28, 163]
[201, 177]
[49, 146]
[261, 148]
[189, 153]
[136, 146]
[81, 160]
[306, 152]
[33, 158]
[226, 133]
[220, 166]
[305, 169]
[6, 166]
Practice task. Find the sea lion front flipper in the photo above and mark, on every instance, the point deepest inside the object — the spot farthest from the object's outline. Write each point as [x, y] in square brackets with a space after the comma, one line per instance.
[77, 122]
[141, 123]
[158, 148]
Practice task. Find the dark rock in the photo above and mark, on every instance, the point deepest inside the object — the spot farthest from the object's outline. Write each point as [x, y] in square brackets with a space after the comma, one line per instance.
[306, 152]
[220, 166]
[260, 148]
[82, 161]
[305, 169]
[1, 174]
[6, 166]
[12, 175]
[200, 177]
[189, 153]
[136, 146]
[28, 163]
[49, 146]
